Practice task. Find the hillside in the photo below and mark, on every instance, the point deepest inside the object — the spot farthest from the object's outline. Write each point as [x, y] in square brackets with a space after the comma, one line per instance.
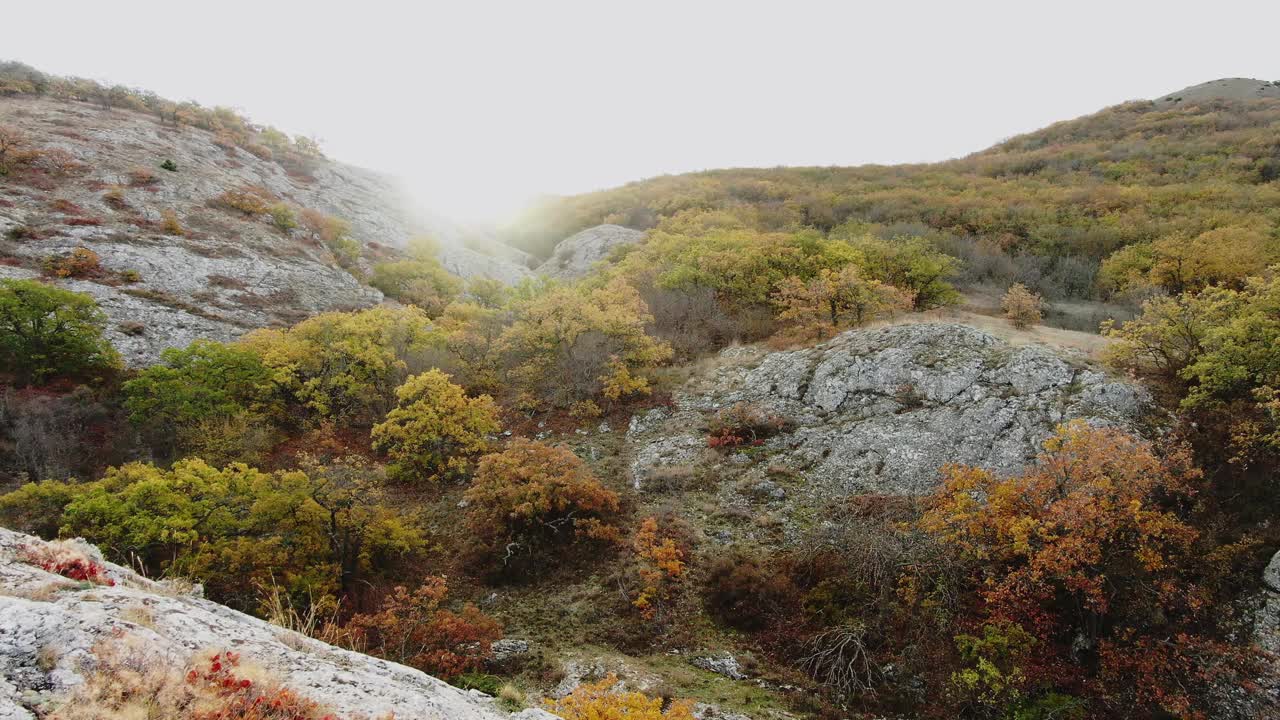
[173, 259]
[995, 438]
[1224, 89]
[53, 635]
[1047, 208]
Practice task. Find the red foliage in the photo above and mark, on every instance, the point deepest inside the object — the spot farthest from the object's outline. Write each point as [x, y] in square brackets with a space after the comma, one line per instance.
[241, 699]
[412, 629]
[67, 563]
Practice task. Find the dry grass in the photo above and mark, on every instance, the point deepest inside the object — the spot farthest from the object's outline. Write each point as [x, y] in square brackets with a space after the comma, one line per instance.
[45, 592]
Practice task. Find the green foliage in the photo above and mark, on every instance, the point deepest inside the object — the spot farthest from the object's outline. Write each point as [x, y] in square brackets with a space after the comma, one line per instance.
[1220, 349]
[47, 332]
[911, 264]
[992, 676]
[205, 382]
[435, 428]
[169, 165]
[421, 281]
[317, 532]
[283, 217]
[570, 344]
[346, 366]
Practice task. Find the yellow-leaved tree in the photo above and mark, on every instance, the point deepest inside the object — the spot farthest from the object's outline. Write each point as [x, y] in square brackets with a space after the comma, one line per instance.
[435, 429]
[347, 366]
[573, 344]
[833, 299]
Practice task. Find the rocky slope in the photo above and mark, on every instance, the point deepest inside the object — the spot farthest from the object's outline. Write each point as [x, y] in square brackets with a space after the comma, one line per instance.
[879, 411]
[49, 627]
[1224, 89]
[225, 272]
[575, 256]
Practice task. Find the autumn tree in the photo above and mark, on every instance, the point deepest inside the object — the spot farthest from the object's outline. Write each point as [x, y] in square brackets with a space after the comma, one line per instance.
[1023, 308]
[835, 299]
[331, 232]
[12, 144]
[1088, 553]
[435, 429]
[911, 264]
[660, 568]
[421, 282]
[317, 532]
[412, 628]
[346, 366]
[531, 496]
[571, 344]
[47, 332]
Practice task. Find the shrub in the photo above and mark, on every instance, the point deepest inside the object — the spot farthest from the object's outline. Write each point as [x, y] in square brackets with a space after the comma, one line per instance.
[1022, 307]
[128, 680]
[435, 428]
[661, 567]
[61, 558]
[346, 366]
[114, 199]
[170, 224]
[333, 233]
[423, 282]
[744, 592]
[248, 200]
[169, 165]
[835, 299]
[572, 344]
[744, 424]
[79, 263]
[412, 629]
[603, 701]
[531, 495]
[48, 332]
[141, 176]
[283, 217]
[13, 143]
[1088, 554]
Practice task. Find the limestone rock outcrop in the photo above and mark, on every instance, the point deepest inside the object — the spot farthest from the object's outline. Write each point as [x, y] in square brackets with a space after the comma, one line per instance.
[49, 627]
[880, 410]
[577, 254]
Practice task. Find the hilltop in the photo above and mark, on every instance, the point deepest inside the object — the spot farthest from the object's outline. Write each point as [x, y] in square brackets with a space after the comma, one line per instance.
[1224, 89]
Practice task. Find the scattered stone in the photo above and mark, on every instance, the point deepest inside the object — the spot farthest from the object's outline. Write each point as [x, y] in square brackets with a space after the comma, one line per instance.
[725, 664]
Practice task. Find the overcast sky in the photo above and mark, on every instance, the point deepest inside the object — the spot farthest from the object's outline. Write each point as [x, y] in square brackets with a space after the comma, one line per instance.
[480, 105]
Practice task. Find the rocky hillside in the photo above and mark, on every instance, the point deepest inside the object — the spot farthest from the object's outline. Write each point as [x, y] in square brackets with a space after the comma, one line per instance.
[575, 256]
[173, 261]
[51, 629]
[1224, 89]
[879, 411]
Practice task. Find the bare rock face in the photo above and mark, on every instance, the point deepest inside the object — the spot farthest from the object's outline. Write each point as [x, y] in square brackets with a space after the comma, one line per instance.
[221, 272]
[49, 627]
[576, 255]
[879, 411]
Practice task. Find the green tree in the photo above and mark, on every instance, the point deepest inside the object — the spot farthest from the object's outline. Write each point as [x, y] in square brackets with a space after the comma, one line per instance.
[570, 344]
[912, 264]
[435, 428]
[346, 366]
[202, 382]
[423, 282]
[47, 332]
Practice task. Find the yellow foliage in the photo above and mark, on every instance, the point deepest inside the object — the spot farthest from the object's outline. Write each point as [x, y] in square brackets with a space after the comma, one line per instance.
[602, 701]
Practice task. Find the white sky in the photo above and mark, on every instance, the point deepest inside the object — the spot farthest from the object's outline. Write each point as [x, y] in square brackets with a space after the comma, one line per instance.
[481, 105]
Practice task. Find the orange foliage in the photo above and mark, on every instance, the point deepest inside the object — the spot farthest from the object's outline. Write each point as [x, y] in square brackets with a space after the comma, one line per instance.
[412, 629]
[661, 566]
[602, 701]
[529, 493]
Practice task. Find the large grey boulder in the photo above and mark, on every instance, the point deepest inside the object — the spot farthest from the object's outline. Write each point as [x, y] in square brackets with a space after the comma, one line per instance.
[49, 627]
[879, 411]
[577, 254]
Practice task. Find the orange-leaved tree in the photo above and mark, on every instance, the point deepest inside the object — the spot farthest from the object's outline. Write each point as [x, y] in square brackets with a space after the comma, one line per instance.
[413, 629]
[1089, 552]
[532, 495]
